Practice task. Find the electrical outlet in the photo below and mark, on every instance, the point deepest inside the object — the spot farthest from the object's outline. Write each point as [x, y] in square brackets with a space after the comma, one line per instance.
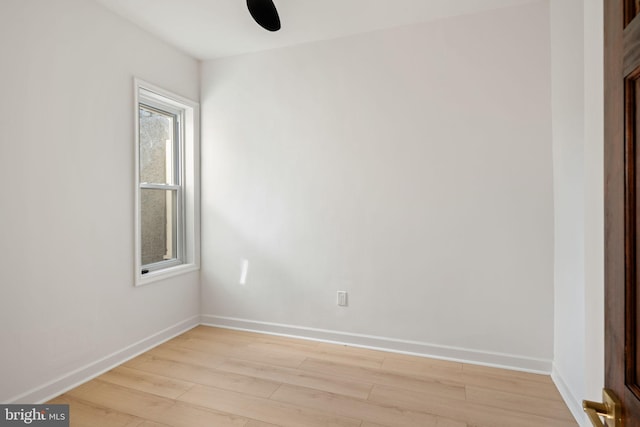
[342, 298]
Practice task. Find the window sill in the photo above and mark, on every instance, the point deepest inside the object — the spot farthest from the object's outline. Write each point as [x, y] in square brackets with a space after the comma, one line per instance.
[155, 276]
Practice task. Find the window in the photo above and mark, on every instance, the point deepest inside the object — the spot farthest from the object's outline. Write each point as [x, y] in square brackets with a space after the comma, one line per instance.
[167, 205]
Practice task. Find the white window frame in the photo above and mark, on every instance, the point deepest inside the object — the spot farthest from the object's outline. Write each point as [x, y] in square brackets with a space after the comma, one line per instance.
[188, 112]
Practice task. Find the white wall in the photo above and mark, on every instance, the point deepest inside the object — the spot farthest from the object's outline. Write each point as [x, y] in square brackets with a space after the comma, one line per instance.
[410, 167]
[66, 164]
[594, 197]
[578, 116]
[567, 66]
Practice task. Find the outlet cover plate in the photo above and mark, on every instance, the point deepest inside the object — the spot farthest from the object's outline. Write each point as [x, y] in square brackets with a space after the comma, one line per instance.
[342, 298]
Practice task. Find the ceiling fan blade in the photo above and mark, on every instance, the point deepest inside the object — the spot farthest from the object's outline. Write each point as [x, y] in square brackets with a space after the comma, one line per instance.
[264, 12]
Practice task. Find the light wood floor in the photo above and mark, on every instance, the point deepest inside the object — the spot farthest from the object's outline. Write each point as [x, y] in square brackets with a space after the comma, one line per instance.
[214, 377]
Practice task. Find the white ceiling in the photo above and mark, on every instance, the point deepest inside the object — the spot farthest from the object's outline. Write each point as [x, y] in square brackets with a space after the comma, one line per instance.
[209, 29]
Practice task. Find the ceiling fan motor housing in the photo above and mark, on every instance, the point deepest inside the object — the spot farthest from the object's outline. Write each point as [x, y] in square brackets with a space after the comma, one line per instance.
[264, 12]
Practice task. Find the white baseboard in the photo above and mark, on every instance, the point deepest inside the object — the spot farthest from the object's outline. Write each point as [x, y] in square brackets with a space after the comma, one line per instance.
[574, 404]
[500, 360]
[81, 375]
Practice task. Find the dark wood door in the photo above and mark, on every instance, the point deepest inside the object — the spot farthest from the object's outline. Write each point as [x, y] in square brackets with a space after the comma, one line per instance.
[622, 204]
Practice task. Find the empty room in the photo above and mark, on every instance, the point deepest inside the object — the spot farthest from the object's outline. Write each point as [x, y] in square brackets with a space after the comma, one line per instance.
[302, 213]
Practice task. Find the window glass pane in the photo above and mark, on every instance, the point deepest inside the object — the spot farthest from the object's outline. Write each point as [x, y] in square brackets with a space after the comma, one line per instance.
[156, 146]
[159, 225]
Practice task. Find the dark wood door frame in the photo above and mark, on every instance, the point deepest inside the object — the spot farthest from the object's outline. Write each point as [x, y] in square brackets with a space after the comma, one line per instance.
[622, 91]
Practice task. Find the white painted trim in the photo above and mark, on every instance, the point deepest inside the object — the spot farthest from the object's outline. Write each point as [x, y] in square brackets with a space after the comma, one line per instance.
[416, 348]
[81, 375]
[154, 276]
[190, 111]
[574, 404]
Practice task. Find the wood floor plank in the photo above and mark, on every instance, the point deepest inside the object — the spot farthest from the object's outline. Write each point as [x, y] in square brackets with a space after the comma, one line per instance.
[87, 414]
[267, 410]
[225, 378]
[287, 342]
[276, 345]
[122, 399]
[225, 349]
[368, 424]
[354, 408]
[148, 424]
[322, 353]
[206, 344]
[255, 423]
[235, 338]
[423, 367]
[372, 353]
[206, 376]
[284, 342]
[185, 415]
[143, 381]
[185, 355]
[319, 381]
[510, 382]
[153, 408]
[489, 371]
[473, 414]
[442, 422]
[379, 376]
[552, 408]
